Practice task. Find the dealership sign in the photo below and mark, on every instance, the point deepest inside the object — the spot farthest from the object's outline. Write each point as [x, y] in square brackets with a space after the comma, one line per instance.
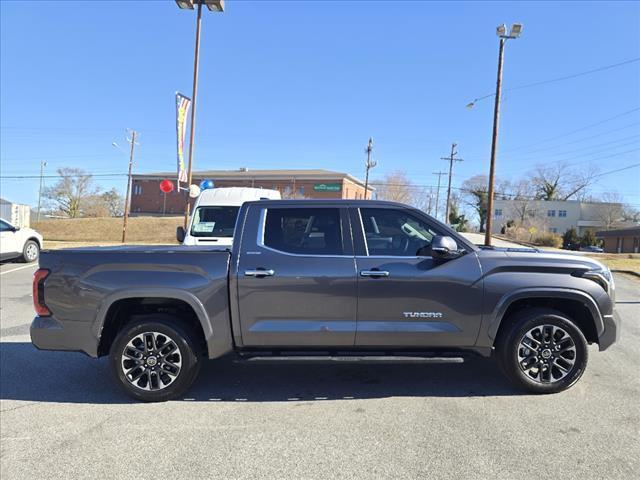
[327, 187]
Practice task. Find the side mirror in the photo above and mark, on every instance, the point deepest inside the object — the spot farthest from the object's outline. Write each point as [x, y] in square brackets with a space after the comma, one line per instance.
[180, 234]
[443, 248]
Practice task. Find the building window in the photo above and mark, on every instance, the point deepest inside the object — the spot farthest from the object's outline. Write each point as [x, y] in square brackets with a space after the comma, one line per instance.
[553, 230]
[137, 189]
[498, 212]
[301, 190]
[531, 213]
[562, 213]
[551, 213]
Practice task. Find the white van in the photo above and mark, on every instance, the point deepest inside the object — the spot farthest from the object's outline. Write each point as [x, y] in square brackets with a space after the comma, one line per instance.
[215, 212]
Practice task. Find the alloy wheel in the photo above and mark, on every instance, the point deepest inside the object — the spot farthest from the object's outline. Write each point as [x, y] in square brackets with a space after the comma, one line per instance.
[151, 361]
[547, 353]
[31, 252]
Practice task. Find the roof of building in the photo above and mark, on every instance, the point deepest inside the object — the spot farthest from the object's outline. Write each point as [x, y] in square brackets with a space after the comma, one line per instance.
[620, 232]
[244, 174]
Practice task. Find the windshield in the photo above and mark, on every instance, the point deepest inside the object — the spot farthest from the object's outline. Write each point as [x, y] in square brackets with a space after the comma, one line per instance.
[214, 221]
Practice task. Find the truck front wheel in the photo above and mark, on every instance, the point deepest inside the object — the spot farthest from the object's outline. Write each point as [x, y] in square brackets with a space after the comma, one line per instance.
[154, 359]
[542, 351]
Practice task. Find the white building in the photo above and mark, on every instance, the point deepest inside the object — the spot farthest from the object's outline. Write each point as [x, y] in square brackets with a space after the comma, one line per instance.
[556, 216]
[16, 214]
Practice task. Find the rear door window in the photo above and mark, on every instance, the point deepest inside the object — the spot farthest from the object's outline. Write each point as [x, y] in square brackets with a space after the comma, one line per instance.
[304, 231]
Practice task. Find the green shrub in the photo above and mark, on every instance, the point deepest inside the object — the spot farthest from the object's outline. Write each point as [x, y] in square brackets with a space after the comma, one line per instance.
[548, 240]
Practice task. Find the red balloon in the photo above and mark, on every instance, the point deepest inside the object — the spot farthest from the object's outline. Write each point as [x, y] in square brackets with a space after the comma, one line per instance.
[166, 186]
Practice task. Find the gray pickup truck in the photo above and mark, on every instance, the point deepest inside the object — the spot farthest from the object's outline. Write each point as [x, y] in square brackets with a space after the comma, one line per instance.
[309, 280]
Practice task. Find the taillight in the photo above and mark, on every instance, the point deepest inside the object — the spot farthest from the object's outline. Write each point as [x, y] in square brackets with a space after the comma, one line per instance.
[38, 292]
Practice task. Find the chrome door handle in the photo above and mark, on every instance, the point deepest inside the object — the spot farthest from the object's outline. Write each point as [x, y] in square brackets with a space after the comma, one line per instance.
[374, 273]
[259, 273]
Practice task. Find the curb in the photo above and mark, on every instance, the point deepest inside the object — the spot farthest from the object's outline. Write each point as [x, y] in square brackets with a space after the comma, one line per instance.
[628, 272]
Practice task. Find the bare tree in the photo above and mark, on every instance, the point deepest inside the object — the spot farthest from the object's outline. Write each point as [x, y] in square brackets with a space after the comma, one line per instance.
[475, 191]
[70, 193]
[611, 211]
[106, 204]
[523, 205]
[396, 187]
[557, 182]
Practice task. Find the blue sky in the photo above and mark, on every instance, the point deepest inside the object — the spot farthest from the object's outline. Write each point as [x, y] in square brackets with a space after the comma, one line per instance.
[304, 85]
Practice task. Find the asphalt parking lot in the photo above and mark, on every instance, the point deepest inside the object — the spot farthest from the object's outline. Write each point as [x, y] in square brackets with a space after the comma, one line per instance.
[62, 417]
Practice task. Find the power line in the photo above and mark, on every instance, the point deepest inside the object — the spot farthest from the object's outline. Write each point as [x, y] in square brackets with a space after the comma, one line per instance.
[101, 175]
[590, 137]
[566, 134]
[560, 79]
[595, 145]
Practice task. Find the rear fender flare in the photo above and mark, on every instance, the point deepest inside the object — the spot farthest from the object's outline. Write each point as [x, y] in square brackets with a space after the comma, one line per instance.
[168, 293]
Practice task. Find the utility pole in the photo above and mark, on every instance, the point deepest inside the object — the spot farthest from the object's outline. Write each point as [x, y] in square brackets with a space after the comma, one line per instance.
[369, 165]
[450, 159]
[43, 164]
[439, 174]
[131, 140]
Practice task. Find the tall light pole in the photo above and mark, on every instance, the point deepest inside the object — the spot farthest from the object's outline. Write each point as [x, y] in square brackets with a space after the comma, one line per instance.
[516, 30]
[43, 164]
[214, 6]
[369, 165]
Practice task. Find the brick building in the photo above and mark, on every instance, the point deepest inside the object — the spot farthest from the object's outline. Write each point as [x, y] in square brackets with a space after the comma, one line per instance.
[147, 199]
[623, 240]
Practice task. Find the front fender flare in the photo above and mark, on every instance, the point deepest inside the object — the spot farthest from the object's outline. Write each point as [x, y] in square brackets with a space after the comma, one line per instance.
[547, 292]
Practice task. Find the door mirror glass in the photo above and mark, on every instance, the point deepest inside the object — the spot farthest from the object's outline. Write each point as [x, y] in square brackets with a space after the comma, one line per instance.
[444, 247]
[180, 234]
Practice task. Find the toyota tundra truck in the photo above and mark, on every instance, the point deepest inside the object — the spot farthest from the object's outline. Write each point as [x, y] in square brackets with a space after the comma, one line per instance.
[324, 280]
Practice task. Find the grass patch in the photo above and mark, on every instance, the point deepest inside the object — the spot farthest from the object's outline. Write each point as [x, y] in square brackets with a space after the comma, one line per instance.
[620, 261]
[108, 230]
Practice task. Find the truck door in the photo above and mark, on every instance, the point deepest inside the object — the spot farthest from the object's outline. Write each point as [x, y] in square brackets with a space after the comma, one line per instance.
[409, 301]
[296, 277]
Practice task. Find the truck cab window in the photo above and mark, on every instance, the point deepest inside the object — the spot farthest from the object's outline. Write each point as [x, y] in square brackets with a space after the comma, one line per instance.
[304, 231]
[394, 232]
[218, 221]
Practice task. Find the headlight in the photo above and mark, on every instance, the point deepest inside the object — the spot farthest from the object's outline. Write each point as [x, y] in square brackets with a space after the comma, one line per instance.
[601, 276]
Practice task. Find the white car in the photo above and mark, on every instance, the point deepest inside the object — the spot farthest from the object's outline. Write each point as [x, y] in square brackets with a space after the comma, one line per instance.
[23, 243]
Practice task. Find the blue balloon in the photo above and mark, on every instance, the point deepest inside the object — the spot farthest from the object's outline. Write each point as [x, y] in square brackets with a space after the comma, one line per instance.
[206, 184]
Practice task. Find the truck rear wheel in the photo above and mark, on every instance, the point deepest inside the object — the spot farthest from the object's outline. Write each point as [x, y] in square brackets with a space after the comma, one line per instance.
[543, 351]
[154, 359]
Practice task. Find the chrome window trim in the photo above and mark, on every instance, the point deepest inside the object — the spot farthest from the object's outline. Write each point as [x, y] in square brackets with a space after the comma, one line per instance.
[261, 244]
[364, 236]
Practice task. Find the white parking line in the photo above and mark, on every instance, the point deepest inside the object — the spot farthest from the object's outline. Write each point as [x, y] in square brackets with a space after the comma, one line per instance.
[19, 268]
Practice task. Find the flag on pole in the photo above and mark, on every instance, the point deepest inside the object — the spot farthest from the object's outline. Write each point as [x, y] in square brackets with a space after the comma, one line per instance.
[182, 108]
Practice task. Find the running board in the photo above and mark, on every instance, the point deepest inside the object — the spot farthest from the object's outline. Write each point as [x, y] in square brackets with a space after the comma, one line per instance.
[353, 358]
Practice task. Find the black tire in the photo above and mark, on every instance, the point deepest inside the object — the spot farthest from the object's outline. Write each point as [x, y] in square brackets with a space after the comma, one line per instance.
[30, 252]
[539, 378]
[189, 360]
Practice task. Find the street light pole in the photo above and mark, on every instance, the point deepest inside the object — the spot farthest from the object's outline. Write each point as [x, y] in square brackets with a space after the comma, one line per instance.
[214, 6]
[516, 29]
[196, 64]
